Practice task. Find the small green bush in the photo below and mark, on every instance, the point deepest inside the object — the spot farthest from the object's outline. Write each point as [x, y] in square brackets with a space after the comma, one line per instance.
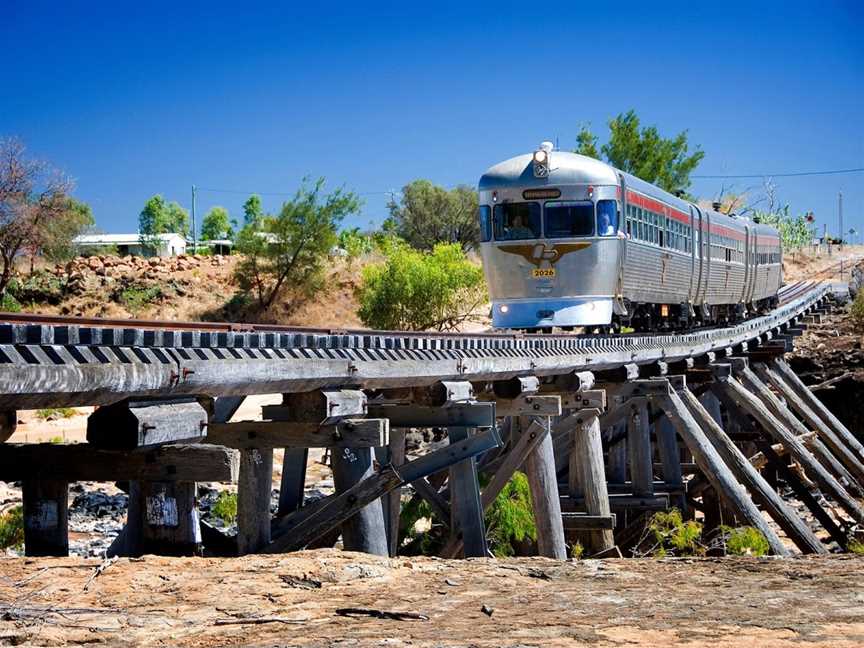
[428, 543]
[8, 303]
[135, 297]
[12, 528]
[577, 551]
[511, 517]
[39, 287]
[55, 413]
[745, 541]
[674, 536]
[856, 312]
[415, 291]
[56, 440]
[856, 546]
[225, 507]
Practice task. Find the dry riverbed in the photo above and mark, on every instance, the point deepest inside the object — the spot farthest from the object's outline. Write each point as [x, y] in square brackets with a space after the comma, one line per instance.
[299, 600]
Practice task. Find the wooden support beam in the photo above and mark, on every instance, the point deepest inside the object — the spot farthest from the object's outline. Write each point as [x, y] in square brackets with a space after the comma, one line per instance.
[802, 493]
[657, 502]
[439, 505]
[225, 407]
[818, 407]
[293, 484]
[364, 531]
[83, 462]
[734, 392]
[543, 483]
[253, 499]
[162, 519]
[744, 472]
[347, 433]
[845, 452]
[8, 424]
[617, 470]
[393, 454]
[134, 424]
[670, 460]
[715, 469]
[472, 415]
[298, 530]
[465, 500]
[639, 447]
[588, 477]
[585, 522]
[46, 517]
[529, 406]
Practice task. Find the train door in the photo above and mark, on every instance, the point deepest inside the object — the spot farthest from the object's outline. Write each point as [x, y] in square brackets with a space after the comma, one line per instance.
[618, 303]
[695, 261]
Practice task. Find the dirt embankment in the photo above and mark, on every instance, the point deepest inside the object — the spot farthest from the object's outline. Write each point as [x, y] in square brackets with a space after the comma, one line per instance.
[300, 600]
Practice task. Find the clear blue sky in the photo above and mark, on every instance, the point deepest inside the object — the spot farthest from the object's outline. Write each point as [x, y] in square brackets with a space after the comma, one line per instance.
[136, 99]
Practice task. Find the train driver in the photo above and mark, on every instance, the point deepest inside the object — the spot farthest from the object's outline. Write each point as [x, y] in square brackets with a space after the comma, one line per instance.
[518, 229]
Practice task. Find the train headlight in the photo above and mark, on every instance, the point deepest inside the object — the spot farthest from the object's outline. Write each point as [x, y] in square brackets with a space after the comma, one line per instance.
[504, 308]
[540, 160]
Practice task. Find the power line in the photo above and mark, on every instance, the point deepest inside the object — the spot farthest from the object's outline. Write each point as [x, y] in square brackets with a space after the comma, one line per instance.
[284, 193]
[780, 175]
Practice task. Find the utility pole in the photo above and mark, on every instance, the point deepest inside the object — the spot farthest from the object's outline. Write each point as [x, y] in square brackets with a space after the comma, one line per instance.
[194, 231]
[840, 212]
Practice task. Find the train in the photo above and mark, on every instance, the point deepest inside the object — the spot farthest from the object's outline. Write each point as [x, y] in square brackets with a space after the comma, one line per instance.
[570, 242]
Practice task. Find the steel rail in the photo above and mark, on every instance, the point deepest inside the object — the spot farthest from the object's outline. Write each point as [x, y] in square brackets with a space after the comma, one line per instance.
[47, 364]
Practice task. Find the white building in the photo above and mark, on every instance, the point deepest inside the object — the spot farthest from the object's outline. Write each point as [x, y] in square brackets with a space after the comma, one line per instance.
[123, 244]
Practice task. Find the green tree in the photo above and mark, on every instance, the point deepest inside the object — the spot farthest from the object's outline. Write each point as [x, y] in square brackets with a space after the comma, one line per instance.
[290, 249]
[216, 225]
[58, 237]
[252, 211]
[152, 222]
[414, 290]
[794, 231]
[643, 152]
[428, 214]
[177, 219]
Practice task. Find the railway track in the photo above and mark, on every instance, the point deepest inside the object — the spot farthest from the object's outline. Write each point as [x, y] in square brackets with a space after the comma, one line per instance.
[48, 361]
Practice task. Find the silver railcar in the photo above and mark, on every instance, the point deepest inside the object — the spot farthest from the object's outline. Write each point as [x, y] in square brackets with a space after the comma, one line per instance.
[569, 241]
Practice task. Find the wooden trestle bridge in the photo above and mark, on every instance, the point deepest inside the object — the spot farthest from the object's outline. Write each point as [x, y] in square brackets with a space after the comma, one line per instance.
[605, 427]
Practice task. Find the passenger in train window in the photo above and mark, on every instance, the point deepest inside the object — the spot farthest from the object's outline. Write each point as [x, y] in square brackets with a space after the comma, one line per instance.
[607, 218]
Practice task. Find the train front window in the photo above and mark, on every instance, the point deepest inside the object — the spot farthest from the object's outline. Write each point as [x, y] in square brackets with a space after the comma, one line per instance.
[485, 216]
[569, 219]
[517, 221]
[607, 218]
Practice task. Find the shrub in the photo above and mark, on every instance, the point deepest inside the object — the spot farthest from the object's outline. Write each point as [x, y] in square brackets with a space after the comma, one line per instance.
[12, 528]
[856, 546]
[136, 297]
[8, 303]
[745, 541]
[511, 517]
[225, 507]
[857, 309]
[53, 413]
[415, 291]
[672, 535]
[38, 287]
[56, 440]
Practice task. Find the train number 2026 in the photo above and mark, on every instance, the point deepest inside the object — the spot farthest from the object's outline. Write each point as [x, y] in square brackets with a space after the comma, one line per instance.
[542, 273]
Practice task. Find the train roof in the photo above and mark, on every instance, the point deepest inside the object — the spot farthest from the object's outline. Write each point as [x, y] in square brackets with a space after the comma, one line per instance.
[572, 168]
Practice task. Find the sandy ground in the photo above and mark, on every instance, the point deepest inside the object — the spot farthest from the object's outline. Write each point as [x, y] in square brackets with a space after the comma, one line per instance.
[800, 266]
[533, 602]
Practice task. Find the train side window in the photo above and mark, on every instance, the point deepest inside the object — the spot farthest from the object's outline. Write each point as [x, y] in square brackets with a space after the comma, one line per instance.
[567, 219]
[516, 221]
[607, 218]
[485, 216]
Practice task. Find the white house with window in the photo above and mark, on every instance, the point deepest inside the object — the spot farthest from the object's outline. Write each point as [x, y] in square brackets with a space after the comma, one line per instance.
[123, 244]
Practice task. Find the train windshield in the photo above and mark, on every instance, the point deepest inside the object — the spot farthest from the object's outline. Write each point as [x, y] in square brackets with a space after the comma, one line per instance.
[607, 218]
[569, 219]
[517, 221]
[485, 216]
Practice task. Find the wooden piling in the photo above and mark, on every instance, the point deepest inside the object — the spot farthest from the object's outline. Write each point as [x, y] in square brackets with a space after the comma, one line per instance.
[46, 517]
[733, 390]
[392, 502]
[253, 499]
[670, 460]
[715, 470]
[588, 478]
[818, 406]
[845, 452]
[639, 446]
[364, 531]
[543, 483]
[293, 483]
[163, 519]
[745, 473]
[465, 500]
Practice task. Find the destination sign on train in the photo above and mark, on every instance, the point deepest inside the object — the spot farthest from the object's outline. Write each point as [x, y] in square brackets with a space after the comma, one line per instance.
[528, 194]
